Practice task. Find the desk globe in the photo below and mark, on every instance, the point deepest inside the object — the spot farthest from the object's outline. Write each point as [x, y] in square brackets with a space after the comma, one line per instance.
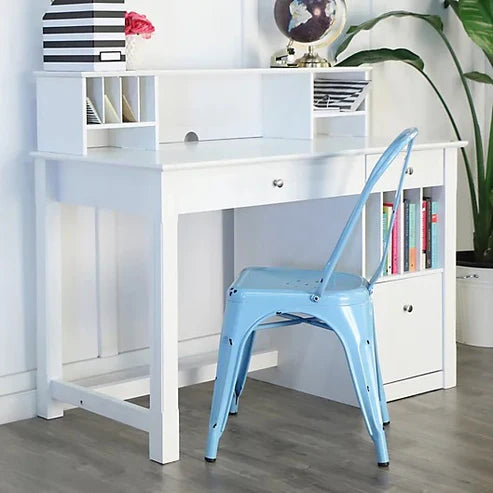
[311, 23]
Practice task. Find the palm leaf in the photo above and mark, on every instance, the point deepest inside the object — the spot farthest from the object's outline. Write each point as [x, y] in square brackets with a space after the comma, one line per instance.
[455, 6]
[479, 77]
[489, 159]
[433, 20]
[477, 18]
[383, 55]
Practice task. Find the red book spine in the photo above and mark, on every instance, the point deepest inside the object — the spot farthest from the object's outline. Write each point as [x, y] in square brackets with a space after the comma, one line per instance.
[424, 229]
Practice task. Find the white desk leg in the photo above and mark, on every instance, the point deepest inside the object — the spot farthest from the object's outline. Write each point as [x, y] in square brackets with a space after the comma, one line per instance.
[449, 242]
[164, 439]
[49, 293]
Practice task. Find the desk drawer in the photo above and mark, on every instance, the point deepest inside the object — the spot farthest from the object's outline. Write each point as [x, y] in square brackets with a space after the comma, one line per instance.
[425, 170]
[410, 341]
[234, 186]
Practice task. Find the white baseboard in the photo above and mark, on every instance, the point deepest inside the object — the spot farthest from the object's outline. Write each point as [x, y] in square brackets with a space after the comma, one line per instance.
[16, 407]
[414, 386]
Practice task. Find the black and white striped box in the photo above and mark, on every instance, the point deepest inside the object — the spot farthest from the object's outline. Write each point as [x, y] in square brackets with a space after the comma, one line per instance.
[84, 35]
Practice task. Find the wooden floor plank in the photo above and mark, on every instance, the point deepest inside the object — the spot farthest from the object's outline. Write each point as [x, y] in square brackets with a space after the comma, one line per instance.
[281, 442]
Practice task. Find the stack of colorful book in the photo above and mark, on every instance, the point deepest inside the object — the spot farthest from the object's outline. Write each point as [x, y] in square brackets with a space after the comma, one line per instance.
[413, 243]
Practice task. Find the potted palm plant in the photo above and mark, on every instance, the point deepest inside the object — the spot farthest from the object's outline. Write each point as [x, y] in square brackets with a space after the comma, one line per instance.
[475, 268]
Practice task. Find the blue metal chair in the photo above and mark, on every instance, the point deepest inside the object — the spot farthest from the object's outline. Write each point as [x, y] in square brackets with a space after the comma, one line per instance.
[330, 300]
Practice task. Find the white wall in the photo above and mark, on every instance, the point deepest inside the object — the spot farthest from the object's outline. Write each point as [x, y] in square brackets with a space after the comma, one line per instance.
[207, 38]
[19, 55]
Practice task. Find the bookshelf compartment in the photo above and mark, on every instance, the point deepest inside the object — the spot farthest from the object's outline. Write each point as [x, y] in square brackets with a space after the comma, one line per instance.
[341, 123]
[343, 93]
[408, 247]
[113, 100]
[148, 99]
[131, 100]
[118, 101]
[95, 93]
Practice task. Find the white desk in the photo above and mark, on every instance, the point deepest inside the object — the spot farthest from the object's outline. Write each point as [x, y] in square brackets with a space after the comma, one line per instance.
[208, 176]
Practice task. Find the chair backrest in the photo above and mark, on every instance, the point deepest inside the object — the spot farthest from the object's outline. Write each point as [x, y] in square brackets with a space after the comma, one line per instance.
[406, 138]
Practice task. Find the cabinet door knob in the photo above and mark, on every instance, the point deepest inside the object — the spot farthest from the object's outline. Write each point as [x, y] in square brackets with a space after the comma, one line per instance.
[408, 308]
[279, 183]
[410, 171]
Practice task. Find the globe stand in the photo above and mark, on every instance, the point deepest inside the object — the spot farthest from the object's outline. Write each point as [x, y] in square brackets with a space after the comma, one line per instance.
[312, 60]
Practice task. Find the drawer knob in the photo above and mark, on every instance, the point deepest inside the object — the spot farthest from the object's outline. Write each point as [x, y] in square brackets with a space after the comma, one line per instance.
[279, 183]
[408, 308]
[410, 171]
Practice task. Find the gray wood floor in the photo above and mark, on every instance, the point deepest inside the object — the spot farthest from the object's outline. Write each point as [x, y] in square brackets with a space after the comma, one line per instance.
[282, 441]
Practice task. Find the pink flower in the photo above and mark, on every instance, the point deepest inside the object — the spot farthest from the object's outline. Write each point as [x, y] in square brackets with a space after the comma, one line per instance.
[138, 24]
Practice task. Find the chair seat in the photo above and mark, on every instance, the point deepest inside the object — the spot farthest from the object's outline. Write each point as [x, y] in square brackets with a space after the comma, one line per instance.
[264, 281]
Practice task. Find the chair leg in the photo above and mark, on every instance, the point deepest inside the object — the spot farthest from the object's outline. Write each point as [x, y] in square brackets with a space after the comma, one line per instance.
[242, 375]
[358, 343]
[236, 325]
[381, 391]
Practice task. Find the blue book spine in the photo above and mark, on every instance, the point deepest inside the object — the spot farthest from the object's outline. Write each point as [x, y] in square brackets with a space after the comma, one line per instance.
[434, 235]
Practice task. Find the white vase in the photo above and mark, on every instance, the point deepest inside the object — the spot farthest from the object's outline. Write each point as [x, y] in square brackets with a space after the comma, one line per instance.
[475, 306]
[134, 45]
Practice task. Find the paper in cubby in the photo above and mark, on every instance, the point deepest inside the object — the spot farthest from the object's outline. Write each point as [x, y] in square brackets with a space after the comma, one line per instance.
[339, 95]
[110, 111]
[128, 113]
[93, 117]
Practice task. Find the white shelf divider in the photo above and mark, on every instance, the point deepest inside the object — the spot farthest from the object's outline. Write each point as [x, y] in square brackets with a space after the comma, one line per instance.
[337, 114]
[117, 126]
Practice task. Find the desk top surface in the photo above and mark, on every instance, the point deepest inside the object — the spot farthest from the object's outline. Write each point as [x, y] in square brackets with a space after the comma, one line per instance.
[173, 157]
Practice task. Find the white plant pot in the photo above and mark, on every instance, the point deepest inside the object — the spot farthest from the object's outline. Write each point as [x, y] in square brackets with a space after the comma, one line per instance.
[475, 306]
[134, 44]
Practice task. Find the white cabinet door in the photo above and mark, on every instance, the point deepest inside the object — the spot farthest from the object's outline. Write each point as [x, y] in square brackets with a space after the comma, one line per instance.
[408, 316]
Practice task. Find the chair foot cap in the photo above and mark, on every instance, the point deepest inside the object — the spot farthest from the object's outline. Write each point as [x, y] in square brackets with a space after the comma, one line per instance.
[211, 461]
[234, 414]
[386, 423]
[383, 464]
